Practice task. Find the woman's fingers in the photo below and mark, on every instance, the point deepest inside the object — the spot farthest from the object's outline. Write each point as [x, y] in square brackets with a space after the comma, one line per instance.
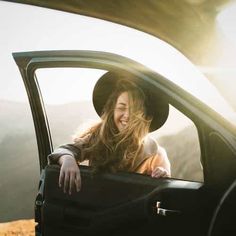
[71, 182]
[61, 177]
[78, 181]
[66, 182]
[159, 172]
[69, 177]
[75, 181]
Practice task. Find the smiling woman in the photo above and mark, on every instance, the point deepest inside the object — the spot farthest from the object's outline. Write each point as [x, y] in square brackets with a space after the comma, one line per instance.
[120, 141]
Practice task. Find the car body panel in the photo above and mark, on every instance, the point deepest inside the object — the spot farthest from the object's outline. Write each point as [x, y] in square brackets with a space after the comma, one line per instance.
[121, 204]
[163, 19]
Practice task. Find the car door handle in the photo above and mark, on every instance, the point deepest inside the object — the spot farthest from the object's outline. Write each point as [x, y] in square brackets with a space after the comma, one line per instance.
[165, 212]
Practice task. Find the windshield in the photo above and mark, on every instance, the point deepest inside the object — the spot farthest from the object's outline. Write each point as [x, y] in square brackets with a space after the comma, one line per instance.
[86, 33]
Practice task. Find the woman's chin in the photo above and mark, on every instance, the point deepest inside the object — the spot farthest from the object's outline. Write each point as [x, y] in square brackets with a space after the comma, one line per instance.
[122, 127]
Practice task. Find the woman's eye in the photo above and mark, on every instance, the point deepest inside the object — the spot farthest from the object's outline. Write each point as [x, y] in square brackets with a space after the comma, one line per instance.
[121, 108]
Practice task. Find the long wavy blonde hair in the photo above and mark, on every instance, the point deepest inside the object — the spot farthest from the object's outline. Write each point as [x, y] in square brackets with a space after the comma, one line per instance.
[109, 149]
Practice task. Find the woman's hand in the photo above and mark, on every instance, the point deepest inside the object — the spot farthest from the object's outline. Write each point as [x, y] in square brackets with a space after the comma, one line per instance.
[159, 172]
[69, 177]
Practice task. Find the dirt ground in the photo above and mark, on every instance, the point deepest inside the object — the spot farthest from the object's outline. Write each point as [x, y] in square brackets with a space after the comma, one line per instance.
[18, 228]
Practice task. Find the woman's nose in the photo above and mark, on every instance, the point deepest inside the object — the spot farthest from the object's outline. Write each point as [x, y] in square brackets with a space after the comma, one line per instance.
[126, 113]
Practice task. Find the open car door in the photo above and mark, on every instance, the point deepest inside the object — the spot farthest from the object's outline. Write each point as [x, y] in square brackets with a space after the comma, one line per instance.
[121, 203]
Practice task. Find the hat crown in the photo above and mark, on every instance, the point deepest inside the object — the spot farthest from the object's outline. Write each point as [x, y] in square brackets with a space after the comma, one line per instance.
[156, 108]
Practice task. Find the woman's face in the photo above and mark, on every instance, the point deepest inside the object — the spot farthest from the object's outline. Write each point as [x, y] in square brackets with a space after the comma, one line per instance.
[121, 112]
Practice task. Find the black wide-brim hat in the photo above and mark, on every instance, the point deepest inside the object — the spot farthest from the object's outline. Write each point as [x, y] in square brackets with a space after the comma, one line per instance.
[156, 107]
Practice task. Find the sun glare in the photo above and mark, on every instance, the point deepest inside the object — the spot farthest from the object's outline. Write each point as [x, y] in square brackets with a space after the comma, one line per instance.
[226, 21]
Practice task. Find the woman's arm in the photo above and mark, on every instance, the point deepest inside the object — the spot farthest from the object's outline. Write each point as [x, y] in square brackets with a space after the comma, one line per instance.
[67, 156]
[156, 162]
[66, 149]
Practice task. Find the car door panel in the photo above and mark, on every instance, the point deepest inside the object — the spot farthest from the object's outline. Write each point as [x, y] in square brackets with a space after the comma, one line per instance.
[108, 203]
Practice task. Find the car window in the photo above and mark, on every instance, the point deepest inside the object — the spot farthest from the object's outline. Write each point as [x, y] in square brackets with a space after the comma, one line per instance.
[67, 95]
[180, 138]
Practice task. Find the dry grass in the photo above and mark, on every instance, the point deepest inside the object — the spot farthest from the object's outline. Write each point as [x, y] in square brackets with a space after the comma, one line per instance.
[18, 228]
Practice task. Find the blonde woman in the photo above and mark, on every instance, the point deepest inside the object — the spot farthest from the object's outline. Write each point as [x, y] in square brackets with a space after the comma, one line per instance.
[120, 141]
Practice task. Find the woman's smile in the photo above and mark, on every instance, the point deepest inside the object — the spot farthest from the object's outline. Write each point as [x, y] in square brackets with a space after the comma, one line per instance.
[121, 113]
[123, 123]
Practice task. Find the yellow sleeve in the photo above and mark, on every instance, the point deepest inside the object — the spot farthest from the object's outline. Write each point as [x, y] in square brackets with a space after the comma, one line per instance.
[153, 156]
[158, 160]
[149, 164]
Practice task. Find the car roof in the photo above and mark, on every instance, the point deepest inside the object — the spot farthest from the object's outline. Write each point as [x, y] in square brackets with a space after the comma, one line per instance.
[163, 19]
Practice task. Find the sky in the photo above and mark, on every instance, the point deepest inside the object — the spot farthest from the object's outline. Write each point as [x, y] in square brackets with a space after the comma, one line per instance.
[28, 28]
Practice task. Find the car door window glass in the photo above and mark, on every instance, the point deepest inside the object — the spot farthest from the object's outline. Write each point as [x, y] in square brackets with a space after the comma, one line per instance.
[67, 96]
[180, 138]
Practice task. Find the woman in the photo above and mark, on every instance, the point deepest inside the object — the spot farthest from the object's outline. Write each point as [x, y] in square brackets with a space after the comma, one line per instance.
[119, 142]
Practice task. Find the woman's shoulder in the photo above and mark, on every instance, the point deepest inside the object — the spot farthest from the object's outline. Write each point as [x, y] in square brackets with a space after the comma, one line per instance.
[79, 141]
[150, 146]
[153, 149]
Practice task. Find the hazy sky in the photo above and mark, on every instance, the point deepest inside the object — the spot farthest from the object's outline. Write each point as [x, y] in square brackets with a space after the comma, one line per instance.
[28, 28]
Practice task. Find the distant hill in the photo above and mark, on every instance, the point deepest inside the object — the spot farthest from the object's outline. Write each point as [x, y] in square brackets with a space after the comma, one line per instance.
[184, 154]
[65, 119]
[15, 117]
[19, 169]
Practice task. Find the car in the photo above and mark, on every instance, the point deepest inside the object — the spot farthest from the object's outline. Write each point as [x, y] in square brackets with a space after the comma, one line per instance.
[130, 203]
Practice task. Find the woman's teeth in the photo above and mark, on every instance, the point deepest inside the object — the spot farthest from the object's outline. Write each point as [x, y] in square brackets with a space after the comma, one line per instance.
[124, 122]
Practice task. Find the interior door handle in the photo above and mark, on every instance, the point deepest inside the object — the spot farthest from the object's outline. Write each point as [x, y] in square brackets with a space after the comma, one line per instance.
[165, 212]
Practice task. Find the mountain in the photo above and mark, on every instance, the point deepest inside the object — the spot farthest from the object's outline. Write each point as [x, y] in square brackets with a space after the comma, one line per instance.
[183, 150]
[15, 117]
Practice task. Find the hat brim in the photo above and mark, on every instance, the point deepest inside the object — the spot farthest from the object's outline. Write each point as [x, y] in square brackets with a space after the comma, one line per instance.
[156, 107]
